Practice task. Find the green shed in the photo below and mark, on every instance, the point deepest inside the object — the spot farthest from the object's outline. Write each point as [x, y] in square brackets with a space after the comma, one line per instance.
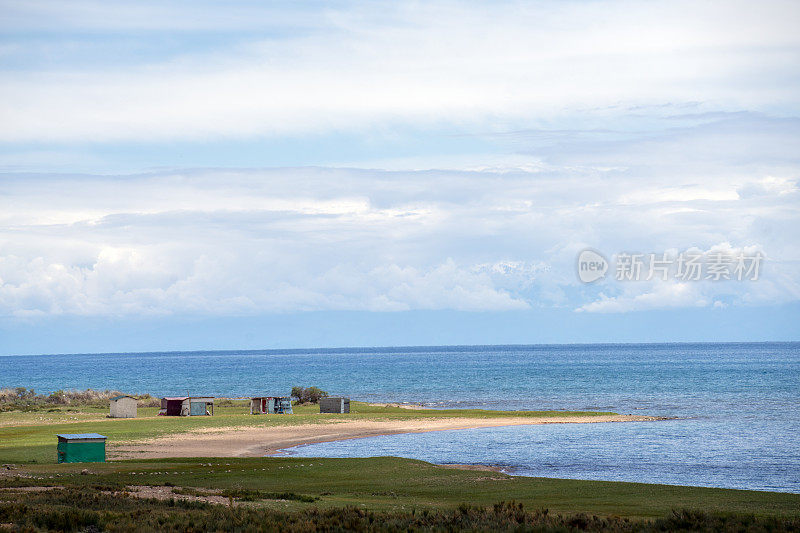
[81, 448]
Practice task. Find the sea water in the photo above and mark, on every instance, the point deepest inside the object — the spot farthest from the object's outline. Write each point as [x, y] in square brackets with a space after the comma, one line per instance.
[737, 405]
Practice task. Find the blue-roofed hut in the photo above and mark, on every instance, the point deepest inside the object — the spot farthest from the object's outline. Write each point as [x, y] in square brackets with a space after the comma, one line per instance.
[81, 448]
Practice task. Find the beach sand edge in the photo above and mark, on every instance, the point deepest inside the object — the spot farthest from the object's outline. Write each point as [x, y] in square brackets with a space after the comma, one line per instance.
[263, 441]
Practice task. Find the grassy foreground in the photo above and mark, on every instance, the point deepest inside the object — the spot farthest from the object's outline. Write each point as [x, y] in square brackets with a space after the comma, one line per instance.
[301, 494]
[392, 483]
[375, 494]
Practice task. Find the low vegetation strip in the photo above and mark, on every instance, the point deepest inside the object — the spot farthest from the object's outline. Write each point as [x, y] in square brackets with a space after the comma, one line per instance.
[27, 400]
[82, 510]
[390, 483]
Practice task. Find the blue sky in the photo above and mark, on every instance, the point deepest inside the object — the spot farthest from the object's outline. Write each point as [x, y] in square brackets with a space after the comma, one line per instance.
[180, 175]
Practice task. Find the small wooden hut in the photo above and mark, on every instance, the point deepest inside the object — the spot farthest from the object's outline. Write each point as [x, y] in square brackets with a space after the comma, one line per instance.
[270, 405]
[334, 405]
[122, 407]
[187, 406]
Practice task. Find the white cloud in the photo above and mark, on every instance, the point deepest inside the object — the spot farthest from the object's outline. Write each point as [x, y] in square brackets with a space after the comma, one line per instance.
[769, 185]
[660, 296]
[647, 126]
[221, 242]
[135, 282]
[100, 16]
[756, 284]
[484, 66]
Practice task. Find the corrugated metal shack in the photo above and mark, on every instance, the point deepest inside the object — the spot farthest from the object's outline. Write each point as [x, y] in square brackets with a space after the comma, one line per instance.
[81, 448]
[187, 406]
[122, 407]
[334, 405]
[270, 405]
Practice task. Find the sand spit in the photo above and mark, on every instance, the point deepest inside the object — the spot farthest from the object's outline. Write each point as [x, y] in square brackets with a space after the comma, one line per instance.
[257, 442]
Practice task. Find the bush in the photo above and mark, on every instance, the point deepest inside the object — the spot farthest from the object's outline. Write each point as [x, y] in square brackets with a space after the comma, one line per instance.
[22, 399]
[84, 510]
[252, 495]
[81, 397]
[145, 400]
[16, 394]
[308, 394]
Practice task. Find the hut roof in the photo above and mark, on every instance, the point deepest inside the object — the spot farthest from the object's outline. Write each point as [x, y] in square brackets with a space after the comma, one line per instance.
[122, 396]
[74, 436]
[183, 398]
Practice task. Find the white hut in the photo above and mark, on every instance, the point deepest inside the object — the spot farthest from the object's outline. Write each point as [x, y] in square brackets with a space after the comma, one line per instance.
[123, 407]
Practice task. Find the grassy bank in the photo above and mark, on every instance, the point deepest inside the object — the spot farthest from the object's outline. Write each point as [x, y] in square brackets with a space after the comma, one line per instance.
[80, 510]
[399, 485]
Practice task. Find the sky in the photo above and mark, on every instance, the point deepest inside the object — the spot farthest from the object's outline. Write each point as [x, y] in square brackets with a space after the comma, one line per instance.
[189, 176]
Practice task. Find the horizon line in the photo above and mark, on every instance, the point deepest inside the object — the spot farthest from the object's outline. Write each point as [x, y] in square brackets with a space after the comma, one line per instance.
[406, 347]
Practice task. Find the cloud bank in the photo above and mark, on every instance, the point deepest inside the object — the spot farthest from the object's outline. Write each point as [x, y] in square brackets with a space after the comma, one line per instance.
[256, 241]
[468, 151]
[367, 66]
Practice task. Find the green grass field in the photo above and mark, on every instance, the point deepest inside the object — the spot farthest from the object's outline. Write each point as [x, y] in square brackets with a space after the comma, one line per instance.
[391, 483]
[383, 485]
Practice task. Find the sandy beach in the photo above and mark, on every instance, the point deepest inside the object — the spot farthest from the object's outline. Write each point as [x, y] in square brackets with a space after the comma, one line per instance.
[257, 442]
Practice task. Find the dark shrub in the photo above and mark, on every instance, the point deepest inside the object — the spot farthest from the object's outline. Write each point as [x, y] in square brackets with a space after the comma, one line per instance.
[308, 394]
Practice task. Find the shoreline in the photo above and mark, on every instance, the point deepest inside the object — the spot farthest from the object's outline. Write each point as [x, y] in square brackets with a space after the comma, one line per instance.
[270, 441]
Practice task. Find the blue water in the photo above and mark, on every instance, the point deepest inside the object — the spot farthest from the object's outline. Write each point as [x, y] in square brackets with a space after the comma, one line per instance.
[739, 404]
